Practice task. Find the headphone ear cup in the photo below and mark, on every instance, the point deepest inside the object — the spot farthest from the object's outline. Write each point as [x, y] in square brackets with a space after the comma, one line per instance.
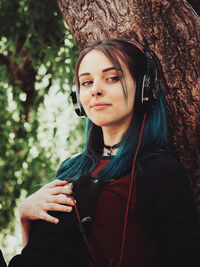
[148, 87]
[138, 97]
[76, 103]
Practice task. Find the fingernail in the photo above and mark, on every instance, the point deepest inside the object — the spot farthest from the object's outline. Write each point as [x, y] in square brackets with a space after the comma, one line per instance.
[70, 185]
[74, 201]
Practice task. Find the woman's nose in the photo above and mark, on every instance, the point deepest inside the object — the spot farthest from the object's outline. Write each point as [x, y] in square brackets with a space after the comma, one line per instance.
[95, 91]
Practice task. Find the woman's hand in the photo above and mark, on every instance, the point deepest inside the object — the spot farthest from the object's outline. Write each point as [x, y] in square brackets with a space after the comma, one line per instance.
[52, 196]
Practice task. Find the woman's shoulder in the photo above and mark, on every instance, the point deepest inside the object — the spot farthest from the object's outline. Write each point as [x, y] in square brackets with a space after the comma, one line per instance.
[162, 158]
[163, 172]
[162, 164]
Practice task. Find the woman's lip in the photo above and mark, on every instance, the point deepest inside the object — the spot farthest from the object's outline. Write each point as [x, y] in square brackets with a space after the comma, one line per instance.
[100, 106]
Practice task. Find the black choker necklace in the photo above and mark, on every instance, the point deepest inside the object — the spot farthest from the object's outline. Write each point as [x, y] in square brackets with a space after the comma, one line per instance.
[110, 148]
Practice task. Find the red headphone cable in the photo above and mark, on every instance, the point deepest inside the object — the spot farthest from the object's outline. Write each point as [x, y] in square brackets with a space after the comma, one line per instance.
[133, 176]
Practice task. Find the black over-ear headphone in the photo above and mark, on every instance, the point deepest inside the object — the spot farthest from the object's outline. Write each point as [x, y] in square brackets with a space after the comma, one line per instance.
[148, 86]
[76, 103]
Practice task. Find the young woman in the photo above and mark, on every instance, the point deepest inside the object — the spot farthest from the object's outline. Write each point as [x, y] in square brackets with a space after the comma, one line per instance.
[123, 201]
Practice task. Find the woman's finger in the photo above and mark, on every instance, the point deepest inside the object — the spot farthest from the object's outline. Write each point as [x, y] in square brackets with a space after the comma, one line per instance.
[58, 207]
[54, 183]
[47, 217]
[61, 199]
[66, 189]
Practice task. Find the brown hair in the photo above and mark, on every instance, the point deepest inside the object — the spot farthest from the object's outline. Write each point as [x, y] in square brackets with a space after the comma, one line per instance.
[119, 52]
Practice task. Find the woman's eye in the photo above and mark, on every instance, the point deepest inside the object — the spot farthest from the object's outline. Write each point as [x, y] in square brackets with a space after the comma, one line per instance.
[86, 83]
[114, 78]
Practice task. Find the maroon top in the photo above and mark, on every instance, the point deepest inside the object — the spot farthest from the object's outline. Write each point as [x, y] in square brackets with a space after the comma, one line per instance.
[106, 238]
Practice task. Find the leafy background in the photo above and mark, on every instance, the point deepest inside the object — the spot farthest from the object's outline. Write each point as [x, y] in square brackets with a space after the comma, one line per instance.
[38, 128]
[37, 123]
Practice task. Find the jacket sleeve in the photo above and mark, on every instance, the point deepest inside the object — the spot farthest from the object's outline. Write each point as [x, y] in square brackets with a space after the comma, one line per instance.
[53, 245]
[2, 261]
[173, 218]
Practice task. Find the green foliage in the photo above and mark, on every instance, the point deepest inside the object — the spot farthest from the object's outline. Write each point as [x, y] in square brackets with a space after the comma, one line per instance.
[36, 51]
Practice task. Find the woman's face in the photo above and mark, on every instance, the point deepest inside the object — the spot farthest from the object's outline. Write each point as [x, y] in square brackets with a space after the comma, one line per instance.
[101, 91]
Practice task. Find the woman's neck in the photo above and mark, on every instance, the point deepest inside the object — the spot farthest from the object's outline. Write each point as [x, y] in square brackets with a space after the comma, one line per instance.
[111, 136]
[112, 133]
[111, 142]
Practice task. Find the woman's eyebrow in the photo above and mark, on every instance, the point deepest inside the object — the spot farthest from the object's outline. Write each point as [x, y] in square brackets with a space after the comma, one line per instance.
[111, 68]
[104, 70]
[84, 74]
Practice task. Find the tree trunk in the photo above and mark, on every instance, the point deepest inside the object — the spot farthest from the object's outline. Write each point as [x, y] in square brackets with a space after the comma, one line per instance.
[171, 29]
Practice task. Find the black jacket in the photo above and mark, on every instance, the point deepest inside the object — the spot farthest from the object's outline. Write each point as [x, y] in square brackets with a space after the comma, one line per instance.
[164, 205]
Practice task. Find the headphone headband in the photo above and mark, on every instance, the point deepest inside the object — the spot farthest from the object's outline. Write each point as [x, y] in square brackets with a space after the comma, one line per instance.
[138, 45]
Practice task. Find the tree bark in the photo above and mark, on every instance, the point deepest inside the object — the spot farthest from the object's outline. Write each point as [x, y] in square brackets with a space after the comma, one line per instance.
[171, 29]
